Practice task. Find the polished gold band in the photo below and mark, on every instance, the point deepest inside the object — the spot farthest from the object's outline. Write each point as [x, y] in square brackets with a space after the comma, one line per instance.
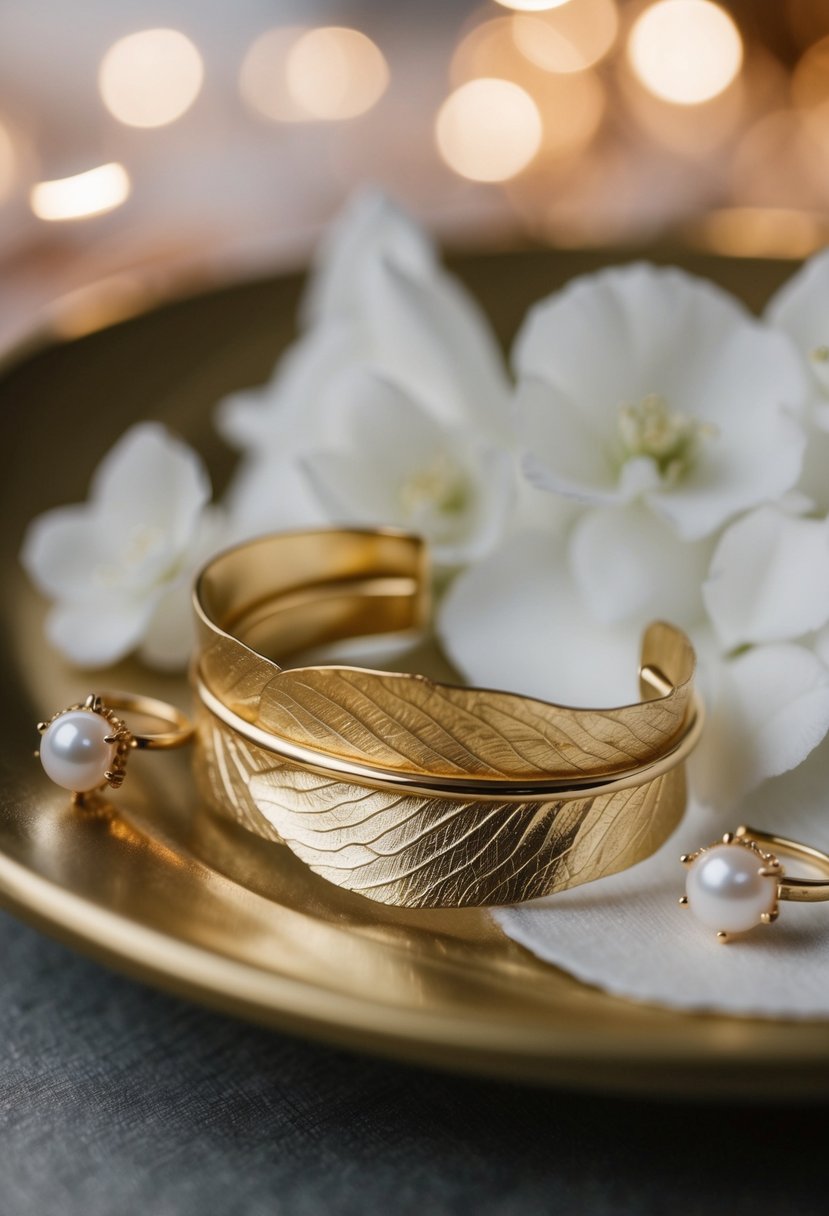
[409, 791]
[796, 890]
[159, 711]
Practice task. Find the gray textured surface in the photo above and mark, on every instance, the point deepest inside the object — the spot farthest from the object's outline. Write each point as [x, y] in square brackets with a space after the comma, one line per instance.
[118, 1099]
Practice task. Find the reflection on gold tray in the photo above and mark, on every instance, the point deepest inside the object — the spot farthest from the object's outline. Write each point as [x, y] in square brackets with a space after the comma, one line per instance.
[162, 891]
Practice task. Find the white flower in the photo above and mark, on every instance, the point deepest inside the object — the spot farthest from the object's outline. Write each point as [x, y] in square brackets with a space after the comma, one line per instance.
[650, 385]
[379, 275]
[768, 708]
[379, 301]
[688, 418]
[801, 310]
[118, 566]
[767, 589]
[769, 579]
[630, 565]
[515, 620]
[274, 426]
[369, 225]
[397, 464]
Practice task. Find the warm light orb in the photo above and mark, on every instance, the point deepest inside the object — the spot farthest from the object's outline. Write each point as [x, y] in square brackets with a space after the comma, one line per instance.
[567, 39]
[487, 49]
[760, 232]
[810, 92]
[151, 78]
[488, 130]
[685, 51]
[8, 163]
[334, 73]
[74, 198]
[262, 79]
[533, 6]
[572, 108]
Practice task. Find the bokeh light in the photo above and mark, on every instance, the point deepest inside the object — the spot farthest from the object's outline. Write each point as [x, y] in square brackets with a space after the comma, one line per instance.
[262, 78]
[84, 194]
[699, 131]
[8, 163]
[776, 165]
[810, 91]
[150, 78]
[335, 73]
[533, 6]
[685, 51]
[571, 104]
[488, 49]
[571, 108]
[760, 232]
[567, 39]
[488, 130]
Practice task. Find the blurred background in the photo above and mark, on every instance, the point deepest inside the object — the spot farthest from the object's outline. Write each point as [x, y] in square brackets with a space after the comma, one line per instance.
[145, 141]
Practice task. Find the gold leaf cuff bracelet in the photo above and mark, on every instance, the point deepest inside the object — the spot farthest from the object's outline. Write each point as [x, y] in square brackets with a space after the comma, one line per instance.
[408, 791]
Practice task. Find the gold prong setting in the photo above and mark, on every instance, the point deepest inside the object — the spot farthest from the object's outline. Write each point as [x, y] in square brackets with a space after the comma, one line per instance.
[733, 884]
[85, 747]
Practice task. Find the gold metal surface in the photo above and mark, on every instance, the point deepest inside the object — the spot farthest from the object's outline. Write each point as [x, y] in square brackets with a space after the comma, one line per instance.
[182, 899]
[406, 790]
[799, 890]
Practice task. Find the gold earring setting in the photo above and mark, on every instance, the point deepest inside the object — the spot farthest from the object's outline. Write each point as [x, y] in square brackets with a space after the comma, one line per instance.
[738, 882]
[733, 884]
[86, 747]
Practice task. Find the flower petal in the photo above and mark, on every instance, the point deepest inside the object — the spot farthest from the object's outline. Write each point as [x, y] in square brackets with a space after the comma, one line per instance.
[813, 481]
[515, 621]
[370, 227]
[275, 414]
[630, 566]
[403, 467]
[770, 710]
[270, 492]
[769, 579]
[751, 393]
[64, 551]
[801, 309]
[99, 632]
[613, 337]
[151, 480]
[433, 339]
[562, 452]
[170, 633]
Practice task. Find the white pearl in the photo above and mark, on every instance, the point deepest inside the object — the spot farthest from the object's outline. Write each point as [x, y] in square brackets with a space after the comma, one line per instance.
[74, 753]
[726, 890]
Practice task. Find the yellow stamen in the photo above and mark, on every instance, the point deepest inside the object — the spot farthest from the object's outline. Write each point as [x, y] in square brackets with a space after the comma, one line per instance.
[671, 439]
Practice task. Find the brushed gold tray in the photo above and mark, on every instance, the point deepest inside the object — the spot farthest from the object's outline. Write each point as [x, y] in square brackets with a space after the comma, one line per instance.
[160, 890]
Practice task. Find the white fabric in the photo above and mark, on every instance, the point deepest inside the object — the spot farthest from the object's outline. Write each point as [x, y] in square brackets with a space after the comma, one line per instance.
[628, 934]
